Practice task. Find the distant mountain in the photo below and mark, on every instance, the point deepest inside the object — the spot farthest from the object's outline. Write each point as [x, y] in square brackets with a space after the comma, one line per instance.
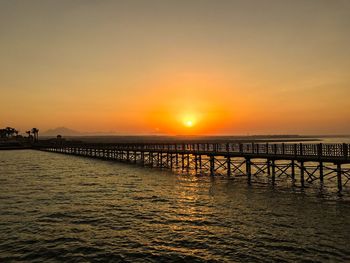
[61, 131]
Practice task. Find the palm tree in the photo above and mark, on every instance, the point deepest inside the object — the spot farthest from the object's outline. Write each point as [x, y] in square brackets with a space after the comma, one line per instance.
[10, 131]
[28, 132]
[35, 132]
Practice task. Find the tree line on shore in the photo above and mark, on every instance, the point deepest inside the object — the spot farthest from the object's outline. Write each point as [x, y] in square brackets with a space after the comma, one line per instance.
[12, 133]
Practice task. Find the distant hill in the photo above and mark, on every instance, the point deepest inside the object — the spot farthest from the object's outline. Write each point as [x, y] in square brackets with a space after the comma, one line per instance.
[61, 131]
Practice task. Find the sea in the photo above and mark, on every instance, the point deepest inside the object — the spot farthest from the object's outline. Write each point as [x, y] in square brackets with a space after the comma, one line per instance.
[60, 208]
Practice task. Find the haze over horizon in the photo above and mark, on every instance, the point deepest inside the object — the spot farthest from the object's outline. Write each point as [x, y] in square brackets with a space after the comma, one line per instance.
[65, 131]
[176, 67]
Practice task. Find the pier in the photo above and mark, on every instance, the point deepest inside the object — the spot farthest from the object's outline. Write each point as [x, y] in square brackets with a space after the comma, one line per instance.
[301, 163]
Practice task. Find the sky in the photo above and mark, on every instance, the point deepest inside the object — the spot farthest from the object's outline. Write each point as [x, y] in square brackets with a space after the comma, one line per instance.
[176, 66]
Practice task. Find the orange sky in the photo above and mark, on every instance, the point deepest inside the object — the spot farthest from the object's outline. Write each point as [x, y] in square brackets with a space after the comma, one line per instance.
[150, 67]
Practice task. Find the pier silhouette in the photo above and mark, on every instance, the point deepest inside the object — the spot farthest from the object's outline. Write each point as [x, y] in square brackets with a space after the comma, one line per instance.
[314, 161]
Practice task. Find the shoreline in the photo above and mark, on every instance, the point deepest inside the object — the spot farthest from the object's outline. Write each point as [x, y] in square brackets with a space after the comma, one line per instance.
[3, 148]
[131, 139]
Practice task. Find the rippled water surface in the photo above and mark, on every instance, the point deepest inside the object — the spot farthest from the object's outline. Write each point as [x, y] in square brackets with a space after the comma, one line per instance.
[63, 208]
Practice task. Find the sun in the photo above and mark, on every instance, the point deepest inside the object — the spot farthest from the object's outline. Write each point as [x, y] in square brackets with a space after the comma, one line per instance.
[189, 123]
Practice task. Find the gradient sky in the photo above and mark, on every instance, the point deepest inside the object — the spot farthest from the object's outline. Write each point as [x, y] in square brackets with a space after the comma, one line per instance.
[148, 66]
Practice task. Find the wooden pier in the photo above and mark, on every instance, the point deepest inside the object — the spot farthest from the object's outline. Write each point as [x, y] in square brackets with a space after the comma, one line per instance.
[302, 163]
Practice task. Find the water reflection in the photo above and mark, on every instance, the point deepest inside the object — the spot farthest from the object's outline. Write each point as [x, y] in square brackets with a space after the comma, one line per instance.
[56, 207]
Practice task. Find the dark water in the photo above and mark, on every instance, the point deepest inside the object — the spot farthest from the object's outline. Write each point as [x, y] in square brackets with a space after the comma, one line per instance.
[63, 208]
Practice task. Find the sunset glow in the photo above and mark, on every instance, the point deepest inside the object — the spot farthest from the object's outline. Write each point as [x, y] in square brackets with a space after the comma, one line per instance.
[115, 67]
[175, 130]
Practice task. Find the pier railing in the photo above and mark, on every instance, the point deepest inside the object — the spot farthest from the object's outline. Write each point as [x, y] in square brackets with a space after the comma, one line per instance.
[319, 150]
